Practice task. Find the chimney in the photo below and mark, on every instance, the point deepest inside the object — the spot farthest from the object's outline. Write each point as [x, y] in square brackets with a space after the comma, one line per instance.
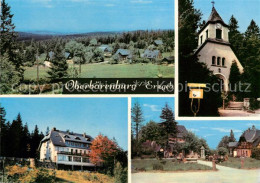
[84, 134]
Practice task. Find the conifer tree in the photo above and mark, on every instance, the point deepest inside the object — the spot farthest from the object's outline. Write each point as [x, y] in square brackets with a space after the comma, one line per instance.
[59, 65]
[168, 121]
[8, 36]
[234, 76]
[137, 119]
[232, 136]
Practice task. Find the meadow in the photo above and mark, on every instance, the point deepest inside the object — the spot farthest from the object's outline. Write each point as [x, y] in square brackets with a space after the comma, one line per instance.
[249, 163]
[104, 70]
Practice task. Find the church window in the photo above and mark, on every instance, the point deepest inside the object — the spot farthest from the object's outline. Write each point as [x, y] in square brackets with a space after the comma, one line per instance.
[218, 33]
[213, 60]
[201, 39]
[223, 61]
[207, 34]
[218, 61]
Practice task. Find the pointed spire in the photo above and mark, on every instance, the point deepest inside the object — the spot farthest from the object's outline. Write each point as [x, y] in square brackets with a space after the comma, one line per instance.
[214, 16]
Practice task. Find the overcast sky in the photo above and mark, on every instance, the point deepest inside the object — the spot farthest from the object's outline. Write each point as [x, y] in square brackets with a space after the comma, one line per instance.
[91, 115]
[92, 15]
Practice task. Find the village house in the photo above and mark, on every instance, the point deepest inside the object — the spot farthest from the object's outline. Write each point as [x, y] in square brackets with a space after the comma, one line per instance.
[50, 56]
[169, 60]
[66, 150]
[106, 49]
[158, 42]
[214, 48]
[123, 54]
[152, 54]
[247, 141]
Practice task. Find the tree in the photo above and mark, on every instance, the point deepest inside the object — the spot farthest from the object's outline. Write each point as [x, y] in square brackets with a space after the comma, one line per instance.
[235, 37]
[168, 122]
[152, 132]
[192, 143]
[103, 150]
[8, 38]
[137, 119]
[232, 136]
[59, 65]
[224, 142]
[252, 30]
[9, 77]
[222, 151]
[234, 77]
[190, 70]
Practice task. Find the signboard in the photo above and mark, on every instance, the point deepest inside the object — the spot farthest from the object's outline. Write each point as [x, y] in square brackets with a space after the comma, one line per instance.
[196, 93]
[196, 85]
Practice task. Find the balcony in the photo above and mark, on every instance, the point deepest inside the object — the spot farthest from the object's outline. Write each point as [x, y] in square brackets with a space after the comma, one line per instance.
[74, 153]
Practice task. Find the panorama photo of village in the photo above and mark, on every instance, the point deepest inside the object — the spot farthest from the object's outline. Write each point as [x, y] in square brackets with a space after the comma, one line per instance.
[61, 140]
[178, 151]
[219, 58]
[43, 42]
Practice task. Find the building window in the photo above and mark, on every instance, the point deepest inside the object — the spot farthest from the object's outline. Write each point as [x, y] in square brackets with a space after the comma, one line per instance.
[218, 33]
[223, 61]
[77, 159]
[201, 39]
[207, 34]
[70, 158]
[71, 151]
[85, 160]
[213, 60]
[218, 61]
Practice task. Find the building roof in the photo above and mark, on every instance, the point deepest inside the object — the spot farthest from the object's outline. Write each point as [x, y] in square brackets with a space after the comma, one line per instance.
[58, 138]
[169, 59]
[105, 47]
[151, 53]
[251, 135]
[232, 144]
[51, 55]
[123, 52]
[158, 42]
[181, 131]
[214, 18]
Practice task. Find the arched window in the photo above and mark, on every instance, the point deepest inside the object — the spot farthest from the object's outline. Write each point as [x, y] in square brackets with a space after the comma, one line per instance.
[223, 61]
[218, 61]
[213, 60]
[218, 33]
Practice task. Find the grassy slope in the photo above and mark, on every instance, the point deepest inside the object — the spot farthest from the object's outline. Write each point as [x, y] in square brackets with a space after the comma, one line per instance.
[112, 71]
[168, 166]
[82, 177]
[249, 163]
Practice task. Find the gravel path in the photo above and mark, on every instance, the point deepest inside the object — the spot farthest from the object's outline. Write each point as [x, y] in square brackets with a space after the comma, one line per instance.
[223, 175]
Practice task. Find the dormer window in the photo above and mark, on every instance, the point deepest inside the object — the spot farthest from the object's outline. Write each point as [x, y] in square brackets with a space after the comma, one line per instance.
[213, 60]
[218, 33]
[66, 136]
[77, 138]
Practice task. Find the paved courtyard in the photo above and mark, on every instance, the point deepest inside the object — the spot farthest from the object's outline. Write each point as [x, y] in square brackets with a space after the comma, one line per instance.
[238, 113]
[223, 175]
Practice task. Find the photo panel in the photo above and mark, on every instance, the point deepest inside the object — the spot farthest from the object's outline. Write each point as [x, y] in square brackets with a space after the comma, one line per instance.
[64, 139]
[167, 150]
[88, 47]
[218, 58]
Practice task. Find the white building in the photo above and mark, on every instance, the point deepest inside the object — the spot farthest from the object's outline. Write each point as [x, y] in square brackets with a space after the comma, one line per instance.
[215, 50]
[67, 150]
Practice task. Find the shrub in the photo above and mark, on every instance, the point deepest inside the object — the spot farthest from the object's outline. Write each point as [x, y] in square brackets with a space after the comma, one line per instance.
[222, 151]
[157, 167]
[256, 153]
[120, 174]
[254, 104]
[26, 175]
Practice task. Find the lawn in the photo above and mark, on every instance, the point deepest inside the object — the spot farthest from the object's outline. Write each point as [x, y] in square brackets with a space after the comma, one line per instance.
[112, 71]
[165, 165]
[249, 163]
